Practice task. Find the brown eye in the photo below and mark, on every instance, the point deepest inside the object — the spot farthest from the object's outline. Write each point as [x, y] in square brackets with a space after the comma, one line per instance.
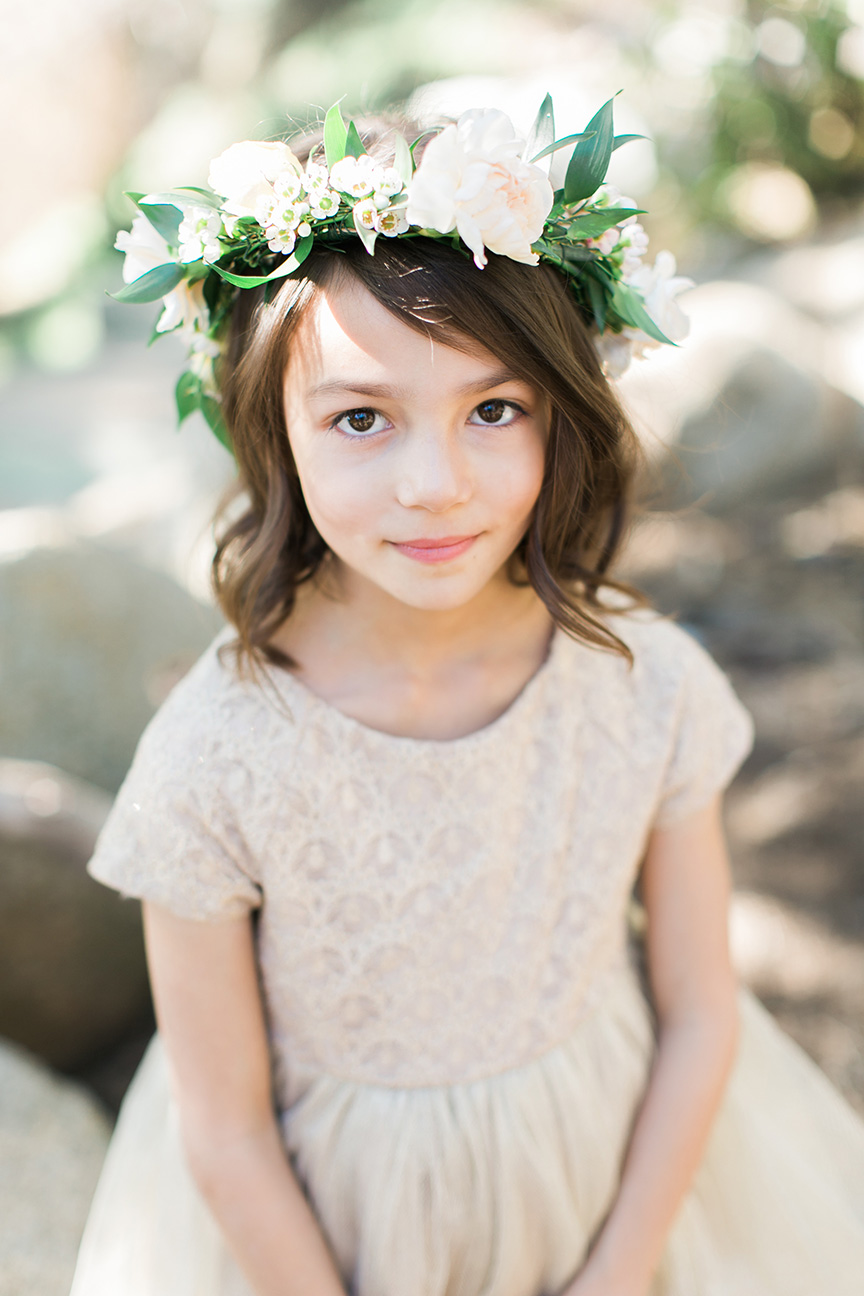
[497, 413]
[360, 422]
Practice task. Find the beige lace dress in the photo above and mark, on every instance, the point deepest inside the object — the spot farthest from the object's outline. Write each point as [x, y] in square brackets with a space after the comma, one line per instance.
[460, 1030]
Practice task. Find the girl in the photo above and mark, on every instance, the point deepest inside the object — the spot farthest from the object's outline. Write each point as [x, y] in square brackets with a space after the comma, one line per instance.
[386, 831]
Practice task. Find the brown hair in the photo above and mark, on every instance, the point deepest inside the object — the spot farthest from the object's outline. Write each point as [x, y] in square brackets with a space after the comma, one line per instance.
[525, 316]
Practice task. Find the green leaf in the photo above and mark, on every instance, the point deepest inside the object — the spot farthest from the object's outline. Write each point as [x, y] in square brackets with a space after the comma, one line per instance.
[212, 411]
[184, 197]
[152, 285]
[165, 219]
[131, 193]
[288, 266]
[593, 224]
[630, 309]
[597, 298]
[335, 136]
[354, 146]
[403, 161]
[590, 160]
[625, 139]
[542, 133]
[187, 395]
[562, 143]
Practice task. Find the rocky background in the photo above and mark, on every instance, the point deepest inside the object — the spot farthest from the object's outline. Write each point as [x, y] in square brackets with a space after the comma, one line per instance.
[752, 530]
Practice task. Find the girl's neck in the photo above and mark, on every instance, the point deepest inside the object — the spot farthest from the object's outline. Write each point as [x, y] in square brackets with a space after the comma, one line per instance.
[418, 672]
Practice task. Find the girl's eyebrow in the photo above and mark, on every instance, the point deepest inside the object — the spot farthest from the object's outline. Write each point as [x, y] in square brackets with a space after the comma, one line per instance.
[337, 386]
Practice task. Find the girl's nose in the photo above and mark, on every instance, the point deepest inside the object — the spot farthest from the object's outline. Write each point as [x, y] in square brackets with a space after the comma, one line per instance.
[432, 472]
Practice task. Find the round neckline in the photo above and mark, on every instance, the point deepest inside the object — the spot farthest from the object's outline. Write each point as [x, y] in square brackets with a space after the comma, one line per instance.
[285, 680]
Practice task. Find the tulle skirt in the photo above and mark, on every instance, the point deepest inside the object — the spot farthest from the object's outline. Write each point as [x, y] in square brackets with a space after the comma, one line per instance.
[496, 1188]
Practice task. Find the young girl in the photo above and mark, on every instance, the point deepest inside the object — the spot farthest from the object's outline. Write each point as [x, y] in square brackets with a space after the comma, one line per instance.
[388, 828]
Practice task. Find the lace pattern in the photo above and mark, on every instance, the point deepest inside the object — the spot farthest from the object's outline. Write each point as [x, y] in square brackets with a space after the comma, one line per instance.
[430, 912]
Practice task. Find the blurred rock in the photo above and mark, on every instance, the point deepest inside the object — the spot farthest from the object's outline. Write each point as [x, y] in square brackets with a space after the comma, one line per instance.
[73, 978]
[91, 641]
[53, 1138]
[769, 428]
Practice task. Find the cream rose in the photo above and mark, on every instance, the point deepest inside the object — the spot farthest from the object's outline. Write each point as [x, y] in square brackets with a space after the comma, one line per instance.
[472, 178]
[245, 172]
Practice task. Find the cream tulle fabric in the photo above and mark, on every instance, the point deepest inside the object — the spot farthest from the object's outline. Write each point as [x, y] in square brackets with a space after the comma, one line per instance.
[460, 1031]
[495, 1188]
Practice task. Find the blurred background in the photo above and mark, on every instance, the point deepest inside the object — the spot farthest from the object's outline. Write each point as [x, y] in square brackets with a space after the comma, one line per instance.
[753, 531]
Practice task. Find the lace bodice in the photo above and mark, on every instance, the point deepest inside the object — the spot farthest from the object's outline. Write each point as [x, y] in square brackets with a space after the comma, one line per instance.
[430, 912]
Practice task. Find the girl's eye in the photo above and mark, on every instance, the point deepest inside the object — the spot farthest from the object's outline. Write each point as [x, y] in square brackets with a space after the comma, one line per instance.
[360, 422]
[496, 413]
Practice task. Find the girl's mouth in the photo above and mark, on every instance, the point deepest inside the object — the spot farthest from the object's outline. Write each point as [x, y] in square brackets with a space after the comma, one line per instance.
[434, 550]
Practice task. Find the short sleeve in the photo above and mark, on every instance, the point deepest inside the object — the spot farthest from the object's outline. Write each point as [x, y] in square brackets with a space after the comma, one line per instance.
[712, 736]
[173, 834]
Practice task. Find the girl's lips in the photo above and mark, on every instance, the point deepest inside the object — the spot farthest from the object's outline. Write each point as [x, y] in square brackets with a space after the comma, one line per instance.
[435, 550]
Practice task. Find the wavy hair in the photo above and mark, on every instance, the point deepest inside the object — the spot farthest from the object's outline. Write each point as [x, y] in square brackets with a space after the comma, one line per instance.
[525, 317]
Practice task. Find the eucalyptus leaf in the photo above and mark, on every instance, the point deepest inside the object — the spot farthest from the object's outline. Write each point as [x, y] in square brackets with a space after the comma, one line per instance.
[590, 160]
[151, 286]
[562, 143]
[288, 266]
[165, 219]
[187, 395]
[597, 298]
[183, 197]
[630, 309]
[403, 161]
[354, 146]
[625, 139]
[542, 133]
[335, 136]
[212, 411]
[593, 224]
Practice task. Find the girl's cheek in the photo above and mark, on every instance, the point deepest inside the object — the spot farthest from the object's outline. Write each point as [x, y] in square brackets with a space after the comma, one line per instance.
[343, 499]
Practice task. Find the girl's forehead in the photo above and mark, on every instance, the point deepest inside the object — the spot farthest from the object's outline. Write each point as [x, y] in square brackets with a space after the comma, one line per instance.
[346, 334]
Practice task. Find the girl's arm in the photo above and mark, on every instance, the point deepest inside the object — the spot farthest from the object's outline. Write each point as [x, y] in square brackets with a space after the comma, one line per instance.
[685, 886]
[211, 1019]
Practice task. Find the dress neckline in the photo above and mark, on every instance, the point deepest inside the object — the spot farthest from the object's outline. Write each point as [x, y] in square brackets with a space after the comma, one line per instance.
[287, 683]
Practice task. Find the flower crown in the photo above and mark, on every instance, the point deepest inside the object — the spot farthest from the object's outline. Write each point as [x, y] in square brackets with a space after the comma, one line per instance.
[477, 185]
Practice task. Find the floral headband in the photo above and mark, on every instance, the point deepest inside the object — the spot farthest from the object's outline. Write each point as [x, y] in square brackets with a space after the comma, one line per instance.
[476, 185]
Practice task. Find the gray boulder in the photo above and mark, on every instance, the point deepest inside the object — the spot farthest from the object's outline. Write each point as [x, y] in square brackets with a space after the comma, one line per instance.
[53, 1137]
[73, 979]
[90, 643]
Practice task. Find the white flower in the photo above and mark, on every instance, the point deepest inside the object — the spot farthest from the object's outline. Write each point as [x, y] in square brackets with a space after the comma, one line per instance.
[199, 235]
[288, 186]
[391, 222]
[324, 202]
[390, 182]
[281, 240]
[472, 178]
[145, 249]
[245, 172]
[186, 310]
[634, 243]
[366, 214]
[356, 176]
[316, 177]
[615, 351]
[659, 286]
[606, 241]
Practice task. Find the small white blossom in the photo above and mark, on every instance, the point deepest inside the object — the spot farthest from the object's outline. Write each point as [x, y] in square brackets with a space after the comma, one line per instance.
[391, 222]
[389, 183]
[615, 351]
[606, 241]
[145, 249]
[366, 214]
[352, 176]
[199, 235]
[303, 229]
[288, 186]
[316, 177]
[324, 202]
[634, 242]
[472, 178]
[659, 286]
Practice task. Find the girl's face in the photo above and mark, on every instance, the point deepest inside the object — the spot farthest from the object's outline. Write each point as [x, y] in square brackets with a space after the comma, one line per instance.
[420, 464]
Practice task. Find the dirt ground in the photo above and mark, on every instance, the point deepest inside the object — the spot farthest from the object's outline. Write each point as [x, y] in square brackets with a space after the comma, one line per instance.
[773, 587]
